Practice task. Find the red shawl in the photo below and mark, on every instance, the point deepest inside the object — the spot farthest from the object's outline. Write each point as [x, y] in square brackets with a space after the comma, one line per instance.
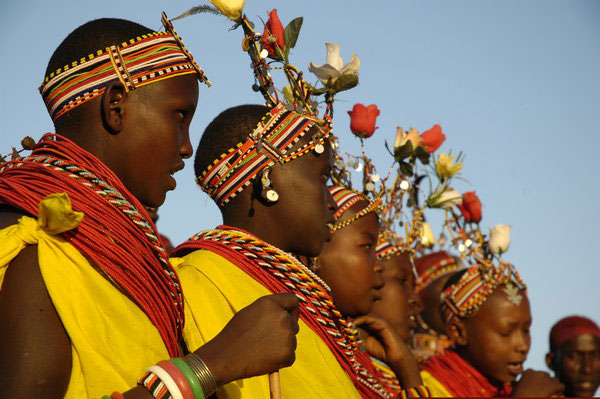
[116, 233]
[280, 272]
[462, 379]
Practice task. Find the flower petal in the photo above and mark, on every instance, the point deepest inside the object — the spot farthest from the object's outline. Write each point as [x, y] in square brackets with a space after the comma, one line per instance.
[324, 72]
[333, 56]
[352, 66]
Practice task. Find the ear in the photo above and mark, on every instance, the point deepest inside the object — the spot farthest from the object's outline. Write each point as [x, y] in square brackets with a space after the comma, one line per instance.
[112, 104]
[550, 361]
[457, 332]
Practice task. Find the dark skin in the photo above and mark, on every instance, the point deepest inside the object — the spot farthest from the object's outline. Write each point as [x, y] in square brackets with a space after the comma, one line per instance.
[124, 130]
[298, 221]
[496, 341]
[429, 301]
[398, 304]
[576, 363]
[348, 265]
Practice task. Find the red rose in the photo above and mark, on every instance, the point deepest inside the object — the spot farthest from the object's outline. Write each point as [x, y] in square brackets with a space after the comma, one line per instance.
[433, 138]
[363, 119]
[273, 29]
[471, 207]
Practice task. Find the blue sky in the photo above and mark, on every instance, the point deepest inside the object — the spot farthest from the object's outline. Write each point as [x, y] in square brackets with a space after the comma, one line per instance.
[514, 84]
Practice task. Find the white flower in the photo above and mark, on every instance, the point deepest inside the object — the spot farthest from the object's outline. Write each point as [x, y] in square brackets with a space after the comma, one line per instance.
[403, 137]
[499, 239]
[334, 66]
[230, 8]
[444, 197]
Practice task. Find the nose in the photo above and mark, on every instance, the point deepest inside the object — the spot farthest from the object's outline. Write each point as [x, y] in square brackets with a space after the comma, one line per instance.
[331, 204]
[522, 343]
[379, 280]
[186, 150]
[586, 363]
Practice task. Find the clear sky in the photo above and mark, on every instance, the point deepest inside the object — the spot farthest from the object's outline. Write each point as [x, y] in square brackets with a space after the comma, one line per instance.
[515, 85]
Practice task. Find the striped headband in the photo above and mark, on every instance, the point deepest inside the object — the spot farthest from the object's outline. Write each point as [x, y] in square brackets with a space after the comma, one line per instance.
[268, 144]
[390, 245]
[433, 266]
[465, 297]
[345, 198]
[145, 59]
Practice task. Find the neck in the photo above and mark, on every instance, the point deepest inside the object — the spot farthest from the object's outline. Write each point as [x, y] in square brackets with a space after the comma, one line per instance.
[460, 351]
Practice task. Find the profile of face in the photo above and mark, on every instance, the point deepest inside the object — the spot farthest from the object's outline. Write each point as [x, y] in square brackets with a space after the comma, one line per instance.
[348, 264]
[303, 213]
[398, 303]
[577, 365]
[429, 302]
[150, 134]
[496, 339]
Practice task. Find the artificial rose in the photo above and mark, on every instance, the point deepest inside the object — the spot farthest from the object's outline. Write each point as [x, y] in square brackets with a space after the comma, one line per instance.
[403, 137]
[230, 8]
[433, 138]
[363, 119]
[471, 207]
[499, 239]
[334, 66]
[444, 197]
[273, 38]
[445, 168]
[426, 236]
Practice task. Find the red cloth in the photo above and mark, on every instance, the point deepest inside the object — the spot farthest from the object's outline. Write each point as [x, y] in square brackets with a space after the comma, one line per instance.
[461, 379]
[116, 234]
[570, 327]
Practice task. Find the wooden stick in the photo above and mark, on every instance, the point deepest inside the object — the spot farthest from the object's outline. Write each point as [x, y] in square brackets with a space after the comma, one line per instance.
[274, 385]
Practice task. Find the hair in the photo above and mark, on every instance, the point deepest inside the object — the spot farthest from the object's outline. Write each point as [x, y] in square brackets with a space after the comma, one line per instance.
[91, 37]
[229, 128]
[455, 278]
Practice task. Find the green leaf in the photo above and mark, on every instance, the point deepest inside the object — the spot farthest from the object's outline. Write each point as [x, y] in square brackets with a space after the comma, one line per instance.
[405, 168]
[422, 155]
[291, 32]
[345, 82]
[404, 151]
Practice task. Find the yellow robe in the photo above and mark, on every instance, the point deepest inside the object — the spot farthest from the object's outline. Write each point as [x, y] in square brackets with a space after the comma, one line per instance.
[436, 388]
[112, 340]
[215, 289]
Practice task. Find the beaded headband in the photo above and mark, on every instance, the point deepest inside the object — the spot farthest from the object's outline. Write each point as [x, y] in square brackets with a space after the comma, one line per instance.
[464, 298]
[345, 198]
[390, 245]
[145, 59]
[269, 143]
[433, 266]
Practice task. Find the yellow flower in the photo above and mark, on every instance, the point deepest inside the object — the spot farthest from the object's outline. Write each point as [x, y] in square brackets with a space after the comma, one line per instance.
[427, 237]
[402, 138]
[445, 168]
[287, 93]
[230, 8]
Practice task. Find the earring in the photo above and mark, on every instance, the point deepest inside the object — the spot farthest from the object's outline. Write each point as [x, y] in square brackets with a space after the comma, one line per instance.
[267, 191]
[319, 149]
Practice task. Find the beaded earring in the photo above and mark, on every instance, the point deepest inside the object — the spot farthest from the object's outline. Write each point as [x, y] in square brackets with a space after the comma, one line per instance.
[267, 192]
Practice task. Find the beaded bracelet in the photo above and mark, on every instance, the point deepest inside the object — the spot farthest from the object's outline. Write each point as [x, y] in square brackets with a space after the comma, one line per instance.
[192, 379]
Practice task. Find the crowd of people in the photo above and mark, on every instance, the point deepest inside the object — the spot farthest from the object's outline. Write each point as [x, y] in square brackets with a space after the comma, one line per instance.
[313, 287]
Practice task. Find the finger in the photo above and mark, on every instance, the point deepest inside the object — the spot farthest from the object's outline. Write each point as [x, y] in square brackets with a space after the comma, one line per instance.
[294, 324]
[288, 302]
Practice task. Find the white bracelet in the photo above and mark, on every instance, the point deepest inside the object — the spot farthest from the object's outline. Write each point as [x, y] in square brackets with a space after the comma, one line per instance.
[166, 378]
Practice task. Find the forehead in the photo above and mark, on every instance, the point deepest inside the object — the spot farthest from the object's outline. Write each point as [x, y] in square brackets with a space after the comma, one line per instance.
[497, 308]
[366, 226]
[398, 265]
[173, 90]
[582, 342]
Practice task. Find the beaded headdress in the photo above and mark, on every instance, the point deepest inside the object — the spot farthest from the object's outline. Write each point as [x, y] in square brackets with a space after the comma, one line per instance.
[289, 119]
[390, 245]
[345, 198]
[142, 60]
[432, 266]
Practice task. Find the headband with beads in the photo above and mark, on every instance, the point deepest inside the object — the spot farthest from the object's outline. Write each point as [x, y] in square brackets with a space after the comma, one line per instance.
[390, 245]
[142, 60]
[432, 266]
[345, 198]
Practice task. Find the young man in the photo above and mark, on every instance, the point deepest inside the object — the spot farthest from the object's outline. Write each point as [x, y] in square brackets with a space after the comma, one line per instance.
[89, 300]
[433, 272]
[349, 267]
[575, 355]
[488, 317]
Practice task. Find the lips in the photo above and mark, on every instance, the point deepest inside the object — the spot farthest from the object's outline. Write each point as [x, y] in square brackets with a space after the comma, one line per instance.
[376, 295]
[515, 368]
[176, 169]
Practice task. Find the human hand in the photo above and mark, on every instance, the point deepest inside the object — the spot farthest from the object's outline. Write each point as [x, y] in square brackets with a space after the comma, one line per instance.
[259, 339]
[535, 383]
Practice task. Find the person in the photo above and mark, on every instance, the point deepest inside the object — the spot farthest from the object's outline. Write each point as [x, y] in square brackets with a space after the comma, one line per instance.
[89, 300]
[349, 266]
[433, 270]
[398, 303]
[488, 317]
[574, 355]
